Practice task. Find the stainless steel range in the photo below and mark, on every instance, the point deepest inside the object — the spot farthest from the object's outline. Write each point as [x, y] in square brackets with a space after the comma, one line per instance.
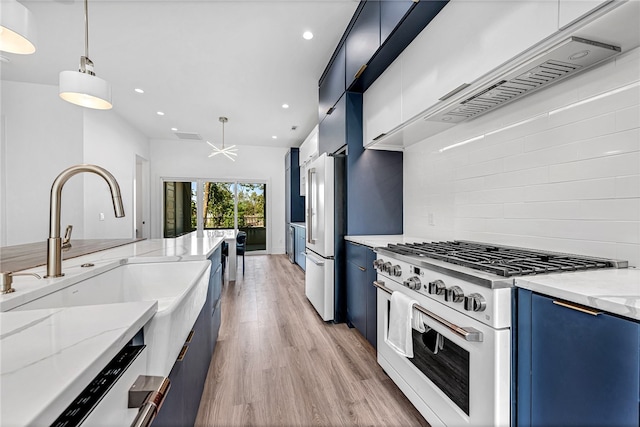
[460, 372]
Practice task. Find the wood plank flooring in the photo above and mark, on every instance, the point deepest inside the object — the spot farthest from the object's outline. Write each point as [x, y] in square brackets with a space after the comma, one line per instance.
[277, 363]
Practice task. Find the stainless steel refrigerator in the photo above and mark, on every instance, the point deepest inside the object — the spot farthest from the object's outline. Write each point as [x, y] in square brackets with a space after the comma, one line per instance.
[325, 218]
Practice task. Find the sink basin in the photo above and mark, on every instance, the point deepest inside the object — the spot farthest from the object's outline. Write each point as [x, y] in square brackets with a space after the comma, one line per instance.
[179, 287]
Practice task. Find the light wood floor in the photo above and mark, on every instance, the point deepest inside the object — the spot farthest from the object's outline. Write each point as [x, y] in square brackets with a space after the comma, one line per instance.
[277, 363]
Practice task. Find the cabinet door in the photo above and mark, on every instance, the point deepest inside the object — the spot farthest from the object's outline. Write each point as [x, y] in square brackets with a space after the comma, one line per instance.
[171, 413]
[356, 277]
[584, 368]
[391, 13]
[372, 299]
[332, 130]
[382, 104]
[465, 41]
[300, 247]
[332, 85]
[363, 39]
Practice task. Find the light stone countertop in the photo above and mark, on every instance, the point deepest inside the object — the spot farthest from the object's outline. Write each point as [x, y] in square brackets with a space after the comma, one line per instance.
[612, 290]
[382, 240]
[48, 356]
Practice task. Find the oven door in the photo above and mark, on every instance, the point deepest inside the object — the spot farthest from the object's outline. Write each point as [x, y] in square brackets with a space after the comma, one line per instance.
[452, 381]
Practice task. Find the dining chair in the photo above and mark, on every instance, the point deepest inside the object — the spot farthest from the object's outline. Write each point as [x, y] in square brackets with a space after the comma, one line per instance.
[241, 243]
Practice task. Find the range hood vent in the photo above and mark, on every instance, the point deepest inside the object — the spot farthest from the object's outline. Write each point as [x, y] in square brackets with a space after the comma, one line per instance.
[189, 135]
[567, 59]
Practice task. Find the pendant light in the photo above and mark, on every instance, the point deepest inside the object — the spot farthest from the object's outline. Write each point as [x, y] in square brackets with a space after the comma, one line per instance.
[17, 28]
[228, 152]
[83, 87]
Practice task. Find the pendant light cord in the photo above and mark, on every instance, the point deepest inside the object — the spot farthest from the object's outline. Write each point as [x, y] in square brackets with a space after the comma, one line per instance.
[86, 28]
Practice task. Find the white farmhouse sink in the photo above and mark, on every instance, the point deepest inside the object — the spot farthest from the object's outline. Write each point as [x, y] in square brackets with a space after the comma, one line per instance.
[179, 287]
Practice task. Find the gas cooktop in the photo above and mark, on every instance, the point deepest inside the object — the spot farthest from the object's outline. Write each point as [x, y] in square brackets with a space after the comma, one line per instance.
[504, 261]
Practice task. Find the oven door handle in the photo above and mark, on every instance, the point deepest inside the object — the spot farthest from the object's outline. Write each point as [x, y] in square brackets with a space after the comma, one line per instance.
[468, 333]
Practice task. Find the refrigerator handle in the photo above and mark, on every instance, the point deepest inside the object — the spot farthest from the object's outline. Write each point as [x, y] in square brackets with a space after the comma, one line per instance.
[311, 195]
[314, 259]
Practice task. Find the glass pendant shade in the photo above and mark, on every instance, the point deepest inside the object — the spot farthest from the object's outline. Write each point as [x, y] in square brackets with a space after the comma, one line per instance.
[17, 28]
[85, 90]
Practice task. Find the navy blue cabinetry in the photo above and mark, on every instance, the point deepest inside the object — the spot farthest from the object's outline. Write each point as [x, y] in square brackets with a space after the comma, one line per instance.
[575, 368]
[294, 202]
[300, 258]
[363, 39]
[189, 371]
[391, 15]
[361, 294]
[332, 131]
[332, 84]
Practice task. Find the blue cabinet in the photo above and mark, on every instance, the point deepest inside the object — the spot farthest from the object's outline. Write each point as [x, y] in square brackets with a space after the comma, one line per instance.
[294, 202]
[300, 257]
[574, 368]
[332, 84]
[332, 131]
[363, 39]
[361, 294]
[391, 15]
[189, 372]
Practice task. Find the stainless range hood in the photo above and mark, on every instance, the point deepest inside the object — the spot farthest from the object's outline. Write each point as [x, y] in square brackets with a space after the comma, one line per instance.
[568, 58]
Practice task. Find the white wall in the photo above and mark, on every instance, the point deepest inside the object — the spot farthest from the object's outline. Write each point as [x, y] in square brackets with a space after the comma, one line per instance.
[565, 180]
[110, 142]
[43, 135]
[189, 159]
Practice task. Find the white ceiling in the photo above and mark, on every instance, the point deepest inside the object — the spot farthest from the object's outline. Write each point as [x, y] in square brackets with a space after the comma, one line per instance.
[196, 61]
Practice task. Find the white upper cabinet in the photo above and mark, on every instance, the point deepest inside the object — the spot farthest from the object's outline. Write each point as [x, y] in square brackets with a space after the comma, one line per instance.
[572, 10]
[467, 40]
[308, 152]
[382, 103]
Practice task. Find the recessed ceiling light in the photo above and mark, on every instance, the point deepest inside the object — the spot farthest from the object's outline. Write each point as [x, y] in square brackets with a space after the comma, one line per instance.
[160, 113]
[307, 35]
[174, 129]
[285, 105]
[274, 137]
[139, 90]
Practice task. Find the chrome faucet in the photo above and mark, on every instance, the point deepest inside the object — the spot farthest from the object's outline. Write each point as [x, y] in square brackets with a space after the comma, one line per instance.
[54, 243]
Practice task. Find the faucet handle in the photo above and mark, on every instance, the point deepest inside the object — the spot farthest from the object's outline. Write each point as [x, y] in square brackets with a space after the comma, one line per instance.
[6, 279]
[66, 240]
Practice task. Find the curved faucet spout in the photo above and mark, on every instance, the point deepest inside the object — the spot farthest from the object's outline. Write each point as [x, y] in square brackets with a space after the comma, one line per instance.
[54, 243]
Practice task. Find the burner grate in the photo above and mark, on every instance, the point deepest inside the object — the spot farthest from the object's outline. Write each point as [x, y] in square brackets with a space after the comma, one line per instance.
[500, 260]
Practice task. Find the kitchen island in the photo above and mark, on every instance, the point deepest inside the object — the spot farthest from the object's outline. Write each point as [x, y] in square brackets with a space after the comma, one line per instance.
[49, 355]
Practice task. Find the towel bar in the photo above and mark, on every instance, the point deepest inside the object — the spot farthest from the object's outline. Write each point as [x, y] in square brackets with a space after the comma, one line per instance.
[468, 333]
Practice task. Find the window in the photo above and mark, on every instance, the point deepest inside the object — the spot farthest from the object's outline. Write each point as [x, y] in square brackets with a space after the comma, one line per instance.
[222, 205]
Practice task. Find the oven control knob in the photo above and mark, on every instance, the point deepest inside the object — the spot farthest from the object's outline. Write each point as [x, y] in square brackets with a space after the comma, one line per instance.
[377, 264]
[386, 267]
[454, 294]
[437, 287]
[396, 271]
[475, 302]
[413, 283]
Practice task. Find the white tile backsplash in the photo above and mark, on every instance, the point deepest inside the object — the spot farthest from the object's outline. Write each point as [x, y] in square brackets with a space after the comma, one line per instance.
[567, 181]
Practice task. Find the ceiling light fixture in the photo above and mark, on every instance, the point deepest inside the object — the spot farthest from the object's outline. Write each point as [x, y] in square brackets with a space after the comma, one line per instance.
[174, 129]
[139, 90]
[17, 28]
[160, 113]
[228, 152]
[274, 137]
[307, 35]
[83, 87]
[285, 105]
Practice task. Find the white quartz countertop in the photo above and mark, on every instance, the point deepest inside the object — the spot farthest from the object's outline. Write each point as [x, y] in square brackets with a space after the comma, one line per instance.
[375, 241]
[184, 248]
[49, 356]
[613, 290]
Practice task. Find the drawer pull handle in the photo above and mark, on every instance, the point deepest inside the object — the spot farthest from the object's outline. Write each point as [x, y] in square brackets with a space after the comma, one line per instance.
[148, 394]
[362, 268]
[183, 353]
[360, 71]
[190, 336]
[577, 307]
